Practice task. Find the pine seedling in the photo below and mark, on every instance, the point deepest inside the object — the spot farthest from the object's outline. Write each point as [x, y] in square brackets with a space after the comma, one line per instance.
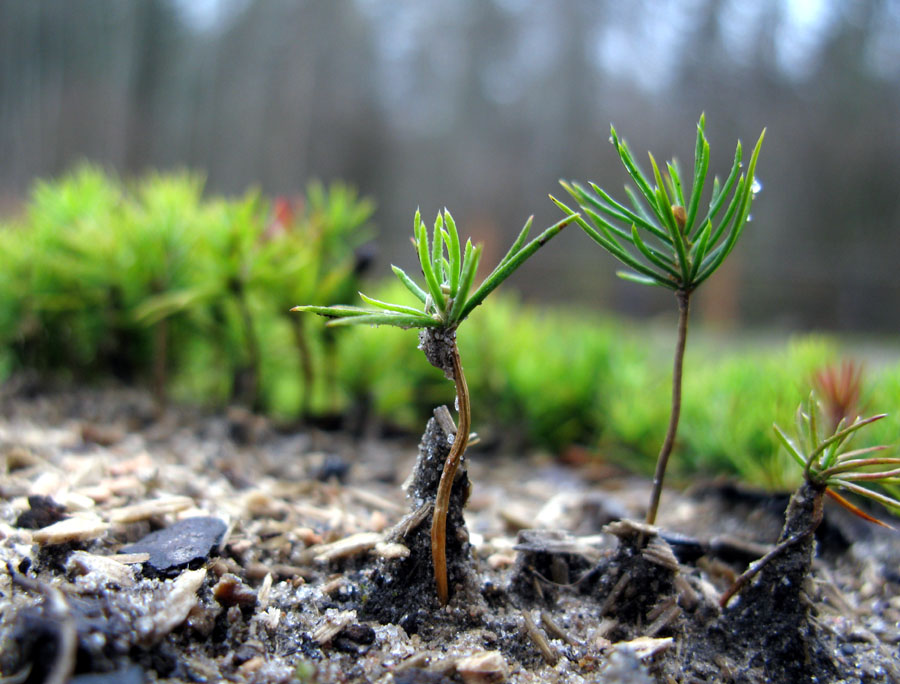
[447, 298]
[828, 464]
[662, 235]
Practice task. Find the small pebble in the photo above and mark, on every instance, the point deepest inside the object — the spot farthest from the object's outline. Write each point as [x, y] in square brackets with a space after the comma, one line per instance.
[361, 634]
[488, 667]
[231, 591]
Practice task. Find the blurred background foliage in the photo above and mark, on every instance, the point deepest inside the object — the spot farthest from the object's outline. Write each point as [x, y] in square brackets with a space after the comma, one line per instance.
[157, 283]
[482, 105]
[181, 280]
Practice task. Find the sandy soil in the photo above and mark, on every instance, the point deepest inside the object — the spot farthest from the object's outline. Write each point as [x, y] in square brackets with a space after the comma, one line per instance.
[298, 566]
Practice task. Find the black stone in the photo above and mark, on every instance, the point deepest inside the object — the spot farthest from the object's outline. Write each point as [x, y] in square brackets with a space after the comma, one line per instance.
[187, 543]
[360, 633]
[333, 467]
[42, 511]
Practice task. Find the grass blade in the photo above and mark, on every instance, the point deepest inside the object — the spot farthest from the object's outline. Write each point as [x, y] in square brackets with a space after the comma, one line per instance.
[385, 318]
[434, 287]
[644, 280]
[623, 214]
[636, 175]
[841, 435]
[455, 255]
[437, 249]
[650, 255]
[791, 447]
[387, 306]
[333, 311]
[469, 269]
[410, 284]
[698, 251]
[520, 240]
[718, 197]
[675, 182]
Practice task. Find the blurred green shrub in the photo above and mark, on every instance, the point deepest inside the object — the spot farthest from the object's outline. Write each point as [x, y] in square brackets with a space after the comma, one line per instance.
[151, 280]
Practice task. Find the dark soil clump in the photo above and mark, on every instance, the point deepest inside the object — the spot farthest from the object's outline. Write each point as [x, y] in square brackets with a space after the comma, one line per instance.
[331, 580]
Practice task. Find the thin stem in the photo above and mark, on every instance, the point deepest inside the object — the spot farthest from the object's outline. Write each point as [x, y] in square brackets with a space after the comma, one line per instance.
[662, 461]
[445, 486]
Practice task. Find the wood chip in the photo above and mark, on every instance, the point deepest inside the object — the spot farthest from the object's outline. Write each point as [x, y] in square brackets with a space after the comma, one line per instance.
[539, 639]
[307, 535]
[488, 667]
[646, 647]
[333, 585]
[610, 601]
[69, 530]
[113, 571]
[130, 558]
[660, 553]
[331, 626]
[629, 529]
[173, 609]
[374, 500]
[410, 522]
[445, 420]
[73, 501]
[150, 509]
[265, 590]
[687, 597]
[354, 545]
[389, 551]
[662, 617]
[554, 630]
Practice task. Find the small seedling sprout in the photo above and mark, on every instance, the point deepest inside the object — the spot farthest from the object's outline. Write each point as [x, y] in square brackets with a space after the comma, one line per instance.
[827, 464]
[447, 298]
[666, 240]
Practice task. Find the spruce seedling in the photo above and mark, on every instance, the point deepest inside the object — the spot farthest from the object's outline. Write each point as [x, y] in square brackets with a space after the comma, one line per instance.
[665, 239]
[446, 299]
[827, 464]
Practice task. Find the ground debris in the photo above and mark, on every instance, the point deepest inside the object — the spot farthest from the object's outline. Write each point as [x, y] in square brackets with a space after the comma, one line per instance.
[255, 605]
[74, 529]
[179, 596]
[488, 667]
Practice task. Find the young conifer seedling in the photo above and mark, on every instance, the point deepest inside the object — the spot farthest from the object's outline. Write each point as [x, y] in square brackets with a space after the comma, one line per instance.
[827, 464]
[447, 298]
[666, 240]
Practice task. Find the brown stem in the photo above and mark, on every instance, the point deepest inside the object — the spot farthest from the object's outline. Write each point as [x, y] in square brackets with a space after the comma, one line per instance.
[442, 499]
[662, 461]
